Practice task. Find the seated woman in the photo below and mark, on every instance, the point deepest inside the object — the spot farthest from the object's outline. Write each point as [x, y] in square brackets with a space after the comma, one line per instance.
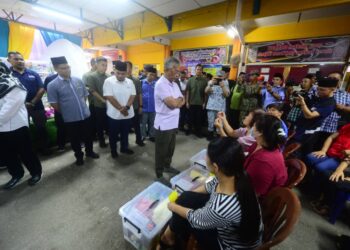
[264, 163]
[244, 134]
[332, 152]
[222, 214]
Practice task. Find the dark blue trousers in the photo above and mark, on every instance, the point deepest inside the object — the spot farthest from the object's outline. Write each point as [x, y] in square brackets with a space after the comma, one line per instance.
[121, 128]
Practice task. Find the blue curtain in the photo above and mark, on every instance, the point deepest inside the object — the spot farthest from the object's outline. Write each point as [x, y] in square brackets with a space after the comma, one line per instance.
[51, 36]
[4, 38]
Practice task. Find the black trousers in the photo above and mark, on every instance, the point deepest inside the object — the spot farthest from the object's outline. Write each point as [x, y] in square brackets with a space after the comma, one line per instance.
[119, 127]
[78, 132]
[61, 130]
[183, 117]
[16, 148]
[39, 120]
[195, 118]
[101, 122]
[207, 239]
[135, 121]
[93, 121]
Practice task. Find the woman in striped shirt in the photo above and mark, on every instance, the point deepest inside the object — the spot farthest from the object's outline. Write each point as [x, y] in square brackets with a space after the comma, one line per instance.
[222, 214]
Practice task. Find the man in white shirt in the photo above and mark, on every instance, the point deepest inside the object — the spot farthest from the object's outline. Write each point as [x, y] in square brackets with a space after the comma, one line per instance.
[120, 93]
[15, 142]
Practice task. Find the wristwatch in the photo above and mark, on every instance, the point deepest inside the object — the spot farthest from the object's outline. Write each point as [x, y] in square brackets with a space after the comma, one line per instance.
[127, 107]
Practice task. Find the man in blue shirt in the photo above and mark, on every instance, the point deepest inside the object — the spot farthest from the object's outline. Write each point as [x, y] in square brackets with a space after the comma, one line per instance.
[35, 89]
[273, 94]
[67, 95]
[148, 108]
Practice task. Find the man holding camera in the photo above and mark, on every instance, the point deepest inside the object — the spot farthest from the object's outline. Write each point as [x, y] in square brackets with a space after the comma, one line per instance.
[217, 91]
[275, 93]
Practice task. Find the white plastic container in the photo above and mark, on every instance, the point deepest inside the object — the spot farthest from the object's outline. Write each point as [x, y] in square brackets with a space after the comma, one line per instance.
[199, 159]
[189, 179]
[145, 216]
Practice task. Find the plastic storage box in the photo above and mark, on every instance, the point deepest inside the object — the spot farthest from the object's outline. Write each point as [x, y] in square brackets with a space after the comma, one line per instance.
[145, 216]
[199, 159]
[190, 179]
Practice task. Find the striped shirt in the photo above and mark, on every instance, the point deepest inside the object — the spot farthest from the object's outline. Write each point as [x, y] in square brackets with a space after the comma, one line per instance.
[222, 212]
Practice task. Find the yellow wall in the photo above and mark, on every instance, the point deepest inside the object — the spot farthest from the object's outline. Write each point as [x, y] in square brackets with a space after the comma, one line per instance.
[148, 53]
[201, 41]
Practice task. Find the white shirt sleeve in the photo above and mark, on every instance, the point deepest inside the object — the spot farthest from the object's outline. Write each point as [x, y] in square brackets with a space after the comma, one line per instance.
[107, 88]
[13, 101]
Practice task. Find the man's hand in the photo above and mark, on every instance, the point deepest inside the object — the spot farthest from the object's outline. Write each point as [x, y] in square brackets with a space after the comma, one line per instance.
[319, 154]
[124, 111]
[187, 105]
[203, 105]
[29, 105]
[268, 88]
[222, 84]
[140, 110]
[340, 107]
[300, 100]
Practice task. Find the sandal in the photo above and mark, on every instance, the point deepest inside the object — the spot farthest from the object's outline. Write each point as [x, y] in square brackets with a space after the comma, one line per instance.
[165, 246]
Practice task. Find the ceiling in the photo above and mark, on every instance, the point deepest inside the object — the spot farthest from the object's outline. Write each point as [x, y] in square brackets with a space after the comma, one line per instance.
[101, 11]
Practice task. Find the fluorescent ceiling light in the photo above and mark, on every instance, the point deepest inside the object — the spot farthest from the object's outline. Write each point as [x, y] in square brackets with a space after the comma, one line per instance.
[57, 14]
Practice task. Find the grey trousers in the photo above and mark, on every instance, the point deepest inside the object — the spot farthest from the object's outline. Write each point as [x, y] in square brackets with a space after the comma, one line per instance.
[147, 124]
[165, 147]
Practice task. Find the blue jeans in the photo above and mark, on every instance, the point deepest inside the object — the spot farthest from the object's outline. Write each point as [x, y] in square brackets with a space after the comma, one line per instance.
[322, 164]
[119, 127]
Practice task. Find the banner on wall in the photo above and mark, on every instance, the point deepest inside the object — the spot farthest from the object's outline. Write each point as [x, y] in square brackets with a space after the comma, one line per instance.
[332, 49]
[203, 56]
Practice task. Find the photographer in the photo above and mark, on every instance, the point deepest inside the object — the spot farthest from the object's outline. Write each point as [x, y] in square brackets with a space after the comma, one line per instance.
[306, 92]
[273, 94]
[217, 91]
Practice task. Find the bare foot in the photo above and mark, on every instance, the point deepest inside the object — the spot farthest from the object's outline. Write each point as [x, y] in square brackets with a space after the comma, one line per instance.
[168, 238]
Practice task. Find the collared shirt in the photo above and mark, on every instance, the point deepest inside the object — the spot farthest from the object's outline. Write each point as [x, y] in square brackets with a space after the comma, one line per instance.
[166, 118]
[13, 112]
[196, 86]
[94, 82]
[84, 78]
[121, 91]
[236, 98]
[269, 98]
[138, 87]
[32, 82]
[148, 96]
[216, 99]
[70, 96]
[330, 124]
[324, 106]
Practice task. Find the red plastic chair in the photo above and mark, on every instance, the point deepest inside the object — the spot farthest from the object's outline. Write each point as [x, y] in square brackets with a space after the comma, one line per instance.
[296, 172]
[290, 149]
[280, 210]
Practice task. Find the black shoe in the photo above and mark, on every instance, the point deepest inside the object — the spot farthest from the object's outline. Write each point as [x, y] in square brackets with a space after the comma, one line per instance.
[127, 151]
[12, 183]
[92, 155]
[79, 162]
[152, 139]
[114, 154]
[34, 180]
[103, 144]
[140, 143]
[171, 170]
[163, 181]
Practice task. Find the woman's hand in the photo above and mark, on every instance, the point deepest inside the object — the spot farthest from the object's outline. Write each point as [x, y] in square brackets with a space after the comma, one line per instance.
[337, 174]
[221, 115]
[319, 154]
[218, 123]
[171, 206]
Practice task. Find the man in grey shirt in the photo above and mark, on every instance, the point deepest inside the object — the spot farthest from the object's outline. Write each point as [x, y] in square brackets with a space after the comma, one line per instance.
[67, 95]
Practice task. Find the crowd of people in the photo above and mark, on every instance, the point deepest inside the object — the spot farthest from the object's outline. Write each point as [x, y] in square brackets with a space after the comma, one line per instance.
[249, 124]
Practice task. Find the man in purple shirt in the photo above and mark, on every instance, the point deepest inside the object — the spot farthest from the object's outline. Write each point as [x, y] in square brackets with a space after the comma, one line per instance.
[168, 101]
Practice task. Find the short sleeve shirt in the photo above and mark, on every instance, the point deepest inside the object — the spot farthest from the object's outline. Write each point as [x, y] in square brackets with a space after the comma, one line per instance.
[269, 98]
[166, 118]
[70, 96]
[121, 91]
[195, 87]
[216, 100]
[324, 106]
[95, 82]
[32, 82]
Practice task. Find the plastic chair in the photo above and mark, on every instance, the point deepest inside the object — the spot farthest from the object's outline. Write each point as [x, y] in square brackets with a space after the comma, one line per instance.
[290, 149]
[280, 210]
[296, 172]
